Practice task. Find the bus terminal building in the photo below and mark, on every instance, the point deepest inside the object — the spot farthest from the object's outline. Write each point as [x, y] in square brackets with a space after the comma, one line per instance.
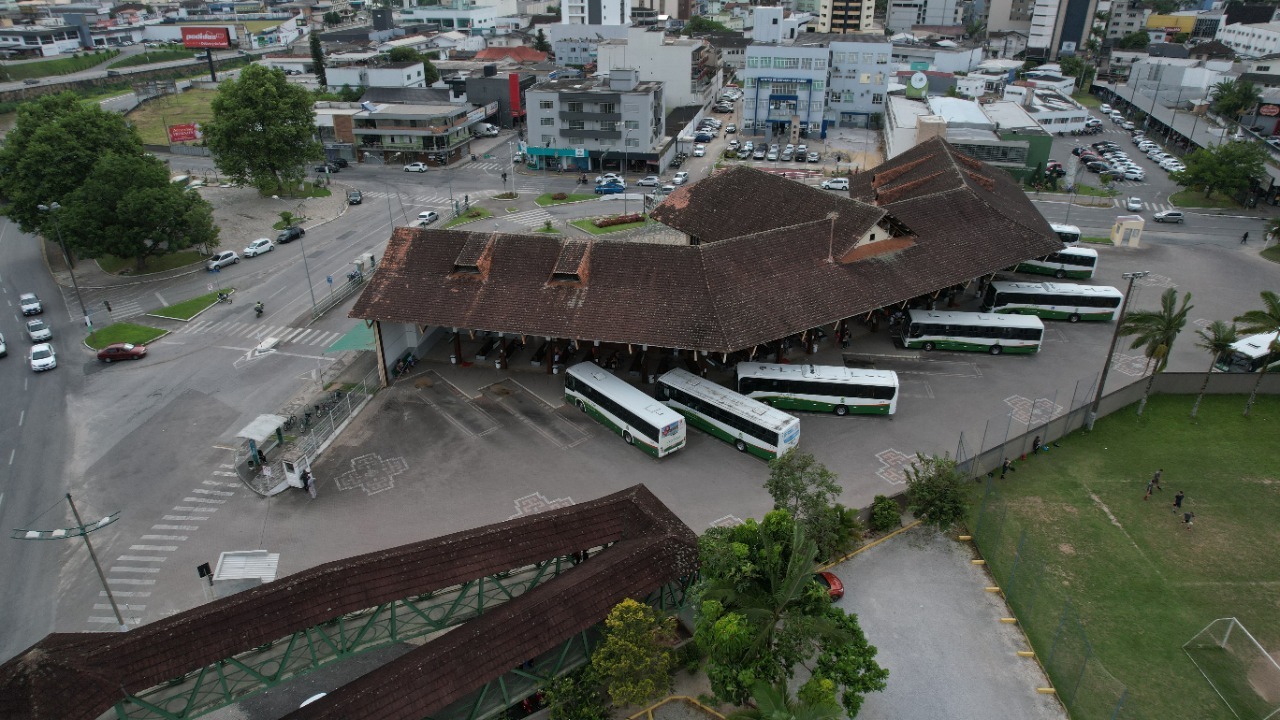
[764, 262]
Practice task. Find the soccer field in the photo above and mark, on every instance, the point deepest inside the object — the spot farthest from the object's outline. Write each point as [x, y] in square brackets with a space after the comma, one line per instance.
[1071, 524]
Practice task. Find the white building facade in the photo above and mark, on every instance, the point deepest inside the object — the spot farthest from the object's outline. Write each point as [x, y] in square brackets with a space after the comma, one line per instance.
[687, 67]
[595, 12]
[905, 13]
[1251, 41]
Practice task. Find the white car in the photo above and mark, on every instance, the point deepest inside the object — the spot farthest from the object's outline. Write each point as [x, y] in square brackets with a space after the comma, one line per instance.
[773, 155]
[427, 217]
[258, 247]
[1173, 166]
[608, 177]
[38, 331]
[1133, 204]
[1133, 174]
[681, 178]
[836, 184]
[733, 144]
[4, 351]
[30, 304]
[1105, 109]
[43, 357]
[699, 150]
[222, 259]
[415, 167]
[666, 189]
[649, 181]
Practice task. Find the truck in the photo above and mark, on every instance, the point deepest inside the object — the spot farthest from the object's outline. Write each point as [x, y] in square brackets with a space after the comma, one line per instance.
[486, 130]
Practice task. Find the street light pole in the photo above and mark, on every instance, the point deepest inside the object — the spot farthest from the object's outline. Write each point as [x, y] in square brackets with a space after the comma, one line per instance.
[52, 209]
[1092, 417]
[307, 269]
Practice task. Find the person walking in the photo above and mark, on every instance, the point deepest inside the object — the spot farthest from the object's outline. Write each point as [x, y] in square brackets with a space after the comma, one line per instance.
[1177, 502]
[1151, 484]
[309, 483]
[1244, 239]
[1187, 517]
[1155, 479]
[1006, 467]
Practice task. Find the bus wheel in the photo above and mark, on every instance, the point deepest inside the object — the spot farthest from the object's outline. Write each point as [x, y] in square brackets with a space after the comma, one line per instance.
[582, 406]
[627, 436]
[1073, 317]
[996, 350]
[742, 447]
[928, 347]
[1060, 274]
[841, 410]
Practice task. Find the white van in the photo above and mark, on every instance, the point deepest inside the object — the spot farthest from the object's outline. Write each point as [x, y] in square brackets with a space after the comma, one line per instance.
[486, 130]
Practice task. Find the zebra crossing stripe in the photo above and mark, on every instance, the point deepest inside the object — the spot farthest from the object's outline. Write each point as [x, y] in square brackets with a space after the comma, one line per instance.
[289, 334]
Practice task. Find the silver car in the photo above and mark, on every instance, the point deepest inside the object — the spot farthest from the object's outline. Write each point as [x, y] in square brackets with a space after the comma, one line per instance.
[43, 357]
[38, 331]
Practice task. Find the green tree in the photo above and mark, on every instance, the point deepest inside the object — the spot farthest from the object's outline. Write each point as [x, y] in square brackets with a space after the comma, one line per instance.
[1181, 37]
[1231, 98]
[701, 25]
[1071, 65]
[317, 59]
[1154, 331]
[263, 130]
[540, 42]
[773, 702]
[805, 488]
[332, 18]
[576, 697]
[1226, 168]
[1215, 340]
[634, 658]
[885, 514]
[127, 208]
[935, 491]
[55, 142]
[1134, 41]
[406, 54]
[1256, 322]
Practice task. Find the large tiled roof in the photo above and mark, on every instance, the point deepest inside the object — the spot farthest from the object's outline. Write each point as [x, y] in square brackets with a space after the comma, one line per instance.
[73, 676]
[792, 258]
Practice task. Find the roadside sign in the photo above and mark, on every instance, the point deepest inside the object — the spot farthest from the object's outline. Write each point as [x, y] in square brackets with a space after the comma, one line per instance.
[329, 279]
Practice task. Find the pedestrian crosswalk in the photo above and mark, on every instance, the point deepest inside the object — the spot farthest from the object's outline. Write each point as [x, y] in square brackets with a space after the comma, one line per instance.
[536, 216]
[496, 165]
[1122, 203]
[255, 331]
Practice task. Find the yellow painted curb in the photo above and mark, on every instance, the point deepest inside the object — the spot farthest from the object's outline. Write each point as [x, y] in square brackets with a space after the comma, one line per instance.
[870, 545]
[1026, 653]
[979, 561]
[1047, 691]
[991, 588]
[1009, 621]
[647, 713]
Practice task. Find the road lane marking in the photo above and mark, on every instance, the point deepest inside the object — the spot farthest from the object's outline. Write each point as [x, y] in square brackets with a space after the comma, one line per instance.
[223, 473]
[129, 581]
[11, 454]
[105, 606]
[185, 517]
[22, 416]
[125, 593]
[180, 538]
[131, 569]
[174, 527]
[141, 558]
[204, 500]
[221, 493]
[154, 548]
[113, 621]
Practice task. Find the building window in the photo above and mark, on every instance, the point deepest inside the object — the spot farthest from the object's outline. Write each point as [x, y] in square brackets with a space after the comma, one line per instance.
[548, 122]
[633, 142]
[632, 124]
[786, 63]
[865, 78]
[882, 59]
[574, 107]
[838, 58]
[753, 62]
[606, 142]
[546, 105]
[819, 84]
[607, 108]
[867, 58]
[608, 126]
[751, 82]
[547, 140]
[806, 63]
[877, 99]
[820, 64]
[577, 125]
[879, 78]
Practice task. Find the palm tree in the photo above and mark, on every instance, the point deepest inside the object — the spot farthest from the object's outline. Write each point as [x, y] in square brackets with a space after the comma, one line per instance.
[1256, 322]
[1216, 339]
[1154, 331]
[774, 703]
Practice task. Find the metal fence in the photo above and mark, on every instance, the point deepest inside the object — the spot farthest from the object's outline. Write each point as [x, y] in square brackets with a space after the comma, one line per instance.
[341, 292]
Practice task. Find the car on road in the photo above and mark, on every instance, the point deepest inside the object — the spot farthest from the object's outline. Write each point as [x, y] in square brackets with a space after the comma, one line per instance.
[30, 304]
[260, 246]
[289, 234]
[831, 584]
[1173, 166]
[222, 259]
[43, 357]
[38, 331]
[354, 197]
[1105, 109]
[649, 181]
[426, 217]
[415, 167]
[609, 177]
[1133, 204]
[122, 351]
[327, 168]
[680, 178]
[340, 162]
[1135, 174]
[699, 150]
[836, 184]
[610, 189]
[730, 129]
[4, 350]
[666, 189]
[1166, 216]
[723, 108]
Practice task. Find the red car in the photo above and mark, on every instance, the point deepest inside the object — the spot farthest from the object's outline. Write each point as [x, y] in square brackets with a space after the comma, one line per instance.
[122, 351]
[835, 588]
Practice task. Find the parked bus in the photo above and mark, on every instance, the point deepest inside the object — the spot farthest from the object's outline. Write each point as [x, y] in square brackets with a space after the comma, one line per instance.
[1251, 354]
[1053, 301]
[982, 332]
[820, 388]
[1068, 234]
[749, 425]
[1071, 262]
[638, 418]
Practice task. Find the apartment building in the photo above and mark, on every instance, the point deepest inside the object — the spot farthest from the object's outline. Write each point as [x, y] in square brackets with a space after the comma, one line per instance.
[845, 16]
[591, 124]
[688, 67]
[1127, 16]
[903, 14]
[1060, 27]
[595, 12]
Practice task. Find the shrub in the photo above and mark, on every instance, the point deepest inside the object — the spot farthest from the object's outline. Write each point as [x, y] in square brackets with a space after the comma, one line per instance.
[618, 220]
[560, 196]
[885, 514]
[476, 213]
[546, 226]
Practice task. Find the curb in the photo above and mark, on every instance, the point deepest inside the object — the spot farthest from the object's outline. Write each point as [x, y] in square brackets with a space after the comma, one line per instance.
[193, 317]
[165, 333]
[871, 544]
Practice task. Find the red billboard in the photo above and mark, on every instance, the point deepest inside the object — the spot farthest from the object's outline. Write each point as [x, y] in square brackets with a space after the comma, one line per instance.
[513, 88]
[1269, 110]
[189, 132]
[206, 37]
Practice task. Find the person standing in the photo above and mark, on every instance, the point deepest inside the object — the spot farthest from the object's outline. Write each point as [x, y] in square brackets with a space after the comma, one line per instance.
[1177, 502]
[1035, 445]
[1155, 479]
[1244, 239]
[1151, 484]
[1187, 517]
[309, 483]
[1006, 467]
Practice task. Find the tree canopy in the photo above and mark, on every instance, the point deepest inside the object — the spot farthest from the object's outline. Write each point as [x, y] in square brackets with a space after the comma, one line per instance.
[317, 59]
[1134, 41]
[634, 658]
[54, 144]
[263, 129]
[935, 491]
[804, 487]
[1226, 168]
[407, 54]
[540, 42]
[700, 25]
[1231, 98]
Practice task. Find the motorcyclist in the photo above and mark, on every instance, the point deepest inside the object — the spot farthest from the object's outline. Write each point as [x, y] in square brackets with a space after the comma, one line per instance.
[259, 308]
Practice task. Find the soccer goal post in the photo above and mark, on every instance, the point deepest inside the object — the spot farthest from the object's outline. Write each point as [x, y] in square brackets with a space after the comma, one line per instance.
[1238, 668]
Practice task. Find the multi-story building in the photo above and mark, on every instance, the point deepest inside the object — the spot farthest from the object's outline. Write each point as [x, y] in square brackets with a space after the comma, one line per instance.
[1253, 40]
[775, 24]
[576, 44]
[732, 48]
[1009, 16]
[861, 66]
[463, 15]
[903, 14]
[593, 124]
[596, 12]
[845, 16]
[1127, 16]
[394, 133]
[402, 74]
[689, 68]
[944, 57]
[1060, 27]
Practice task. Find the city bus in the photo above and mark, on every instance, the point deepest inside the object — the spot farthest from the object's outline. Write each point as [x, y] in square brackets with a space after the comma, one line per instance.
[1251, 354]
[1053, 301]
[1068, 234]
[983, 332]
[1071, 262]
[749, 425]
[820, 388]
[638, 418]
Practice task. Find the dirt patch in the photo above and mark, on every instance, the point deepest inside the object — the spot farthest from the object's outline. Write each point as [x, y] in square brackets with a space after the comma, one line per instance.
[424, 383]
[1264, 678]
[1066, 549]
[243, 215]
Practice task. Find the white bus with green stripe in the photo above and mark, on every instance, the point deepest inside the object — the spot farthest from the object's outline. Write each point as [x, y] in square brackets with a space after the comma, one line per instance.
[820, 388]
[1054, 301]
[1251, 354]
[978, 332]
[749, 425]
[638, 418]
[1078, 263]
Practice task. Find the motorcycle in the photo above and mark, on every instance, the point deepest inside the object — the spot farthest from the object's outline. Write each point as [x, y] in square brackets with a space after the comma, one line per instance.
[258, 309]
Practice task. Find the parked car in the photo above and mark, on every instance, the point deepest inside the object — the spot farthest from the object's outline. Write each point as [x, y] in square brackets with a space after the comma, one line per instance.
[814, 157]
[699, 150]
[730, 129]
[4, 349]
[1134, 204]
[415, 167]
[836, 184]
[43, 357]
[830, 583]
[222, 259]
[759, 154]
[1098, 167]
[680, 178]
[1274, 142]
[426, 217]
[289, 234]
[649, 181]
[327, 168]
[1169, 216]
[30, 304]
[38, 331]
[260, 246]
[354, 197]
[723, 108]
[1134, 174]
[340, 162]
[1104, 108]
[122, 351]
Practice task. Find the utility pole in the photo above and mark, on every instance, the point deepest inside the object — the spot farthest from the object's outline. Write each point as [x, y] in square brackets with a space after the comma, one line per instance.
[1115, 337]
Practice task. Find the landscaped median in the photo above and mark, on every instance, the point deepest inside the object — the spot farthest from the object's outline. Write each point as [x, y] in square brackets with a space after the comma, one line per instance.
[188, 309]
[475, 213]
[1190, 198]
[123, 333]
[611, 223]
[158, 263]
[562, 198]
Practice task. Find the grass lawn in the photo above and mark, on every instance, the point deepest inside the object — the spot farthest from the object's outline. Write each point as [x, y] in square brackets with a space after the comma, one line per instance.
[546, 199]
[1196, 199]
[154, 56]
[115, 265]
[192, 106]
[122, 332]
[1094, 191]
[58, 66]
[1086, 99]
[1141, 582]
[1272, 253]
[1096, 240]
[475, 214]
[187, 309]
[587, 225]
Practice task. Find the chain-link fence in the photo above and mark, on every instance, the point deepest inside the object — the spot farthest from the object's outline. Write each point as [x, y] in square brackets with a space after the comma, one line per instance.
[1241, 671]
